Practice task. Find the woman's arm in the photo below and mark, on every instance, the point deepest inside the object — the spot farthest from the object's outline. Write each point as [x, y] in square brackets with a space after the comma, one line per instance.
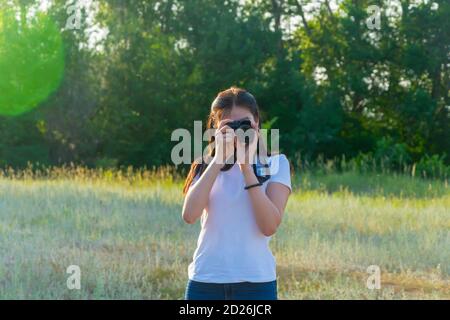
[268, 206]
[197, 196]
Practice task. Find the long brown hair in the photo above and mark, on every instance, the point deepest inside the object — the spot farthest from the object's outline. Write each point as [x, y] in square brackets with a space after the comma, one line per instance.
[222, 104]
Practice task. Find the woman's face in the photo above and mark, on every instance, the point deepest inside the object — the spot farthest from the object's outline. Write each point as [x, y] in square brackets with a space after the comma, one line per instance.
[238, 113]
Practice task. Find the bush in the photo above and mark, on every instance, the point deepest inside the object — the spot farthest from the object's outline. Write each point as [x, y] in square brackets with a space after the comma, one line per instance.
[433, 167]
[391, 155]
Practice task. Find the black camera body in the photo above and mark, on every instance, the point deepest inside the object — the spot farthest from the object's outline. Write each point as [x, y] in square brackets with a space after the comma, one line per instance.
[244, 125]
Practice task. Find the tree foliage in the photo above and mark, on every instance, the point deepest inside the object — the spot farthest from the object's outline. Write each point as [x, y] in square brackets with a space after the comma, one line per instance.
[330, 83]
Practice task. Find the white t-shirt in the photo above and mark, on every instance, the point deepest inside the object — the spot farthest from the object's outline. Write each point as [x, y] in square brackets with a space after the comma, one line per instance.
[231, 248]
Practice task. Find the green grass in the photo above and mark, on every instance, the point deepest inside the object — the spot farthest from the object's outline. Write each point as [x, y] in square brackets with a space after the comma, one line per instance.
[130, 242]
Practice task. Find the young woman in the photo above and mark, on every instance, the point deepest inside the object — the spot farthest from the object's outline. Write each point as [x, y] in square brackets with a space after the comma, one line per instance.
[239, 209]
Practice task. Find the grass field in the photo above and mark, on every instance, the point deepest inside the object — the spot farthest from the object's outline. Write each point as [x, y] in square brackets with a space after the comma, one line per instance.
[128, 238]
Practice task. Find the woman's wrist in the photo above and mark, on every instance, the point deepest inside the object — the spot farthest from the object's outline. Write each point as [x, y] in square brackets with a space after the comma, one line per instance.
[246, 168]
[249, 176]
[216, 164]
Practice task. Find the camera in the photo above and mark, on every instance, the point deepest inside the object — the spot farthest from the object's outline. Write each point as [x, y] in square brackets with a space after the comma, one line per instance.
[244, 125]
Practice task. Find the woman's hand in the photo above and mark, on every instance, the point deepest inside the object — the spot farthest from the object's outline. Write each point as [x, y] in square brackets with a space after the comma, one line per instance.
[224, 143]
[246, 153]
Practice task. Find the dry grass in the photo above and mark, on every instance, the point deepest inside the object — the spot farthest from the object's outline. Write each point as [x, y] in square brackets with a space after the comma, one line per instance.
[125, 232]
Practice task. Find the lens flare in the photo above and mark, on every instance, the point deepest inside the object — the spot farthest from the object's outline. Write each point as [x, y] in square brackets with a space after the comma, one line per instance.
[31, 61]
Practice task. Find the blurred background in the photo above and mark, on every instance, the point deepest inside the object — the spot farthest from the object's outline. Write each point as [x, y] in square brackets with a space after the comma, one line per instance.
[104, 83]
[90, 92]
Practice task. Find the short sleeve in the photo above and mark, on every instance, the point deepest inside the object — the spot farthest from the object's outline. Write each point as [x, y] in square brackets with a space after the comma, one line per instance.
[280, 170]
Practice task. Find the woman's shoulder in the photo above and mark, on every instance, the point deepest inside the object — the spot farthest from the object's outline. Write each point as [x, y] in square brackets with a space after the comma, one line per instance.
[278, 162]
[278, 158]
[280, 170]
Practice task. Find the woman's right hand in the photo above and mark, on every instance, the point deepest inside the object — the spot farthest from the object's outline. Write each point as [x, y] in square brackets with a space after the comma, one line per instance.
[224, 143]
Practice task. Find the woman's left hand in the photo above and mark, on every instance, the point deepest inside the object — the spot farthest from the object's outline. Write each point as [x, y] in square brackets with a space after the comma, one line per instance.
[245, 154]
